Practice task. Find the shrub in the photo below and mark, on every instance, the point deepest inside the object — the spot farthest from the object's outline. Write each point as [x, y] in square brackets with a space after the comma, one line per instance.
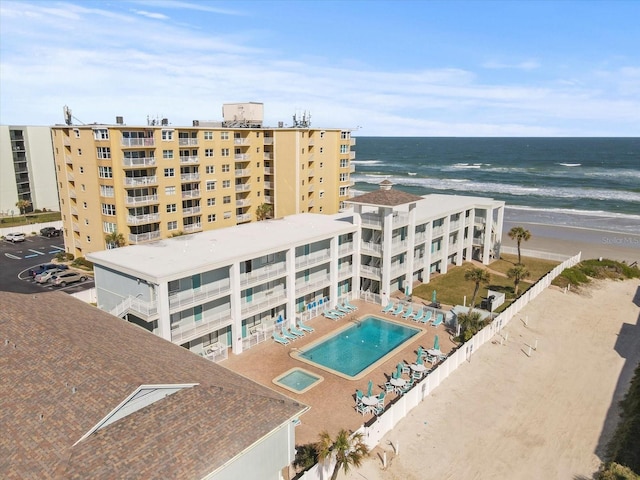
[82, 262]
[64, 257]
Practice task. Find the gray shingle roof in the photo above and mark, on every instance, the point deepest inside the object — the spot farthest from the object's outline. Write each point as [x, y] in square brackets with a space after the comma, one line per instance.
[66, 365]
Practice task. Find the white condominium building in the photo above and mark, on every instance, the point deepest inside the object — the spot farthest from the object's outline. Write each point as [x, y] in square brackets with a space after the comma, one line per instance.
[230, 288]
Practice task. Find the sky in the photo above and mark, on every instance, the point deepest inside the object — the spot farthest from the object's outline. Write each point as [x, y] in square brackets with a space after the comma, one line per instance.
[382, 68]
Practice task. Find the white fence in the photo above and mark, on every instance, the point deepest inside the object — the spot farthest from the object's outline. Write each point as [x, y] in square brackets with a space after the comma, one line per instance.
[535, 253]
[379, 426]
[30, 228]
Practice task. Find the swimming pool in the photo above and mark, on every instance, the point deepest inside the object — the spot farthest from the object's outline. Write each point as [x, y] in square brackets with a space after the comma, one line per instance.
[297, 380]
[350, 352]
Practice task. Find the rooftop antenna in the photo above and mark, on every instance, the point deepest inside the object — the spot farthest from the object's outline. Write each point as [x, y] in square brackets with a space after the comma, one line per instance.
[67, 115]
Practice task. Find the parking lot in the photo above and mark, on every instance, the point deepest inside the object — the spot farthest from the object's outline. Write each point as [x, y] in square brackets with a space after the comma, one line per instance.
[17, 258]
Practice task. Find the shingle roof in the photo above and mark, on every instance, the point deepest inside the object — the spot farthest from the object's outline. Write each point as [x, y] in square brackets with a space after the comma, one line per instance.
[66, 365]
[385, 197]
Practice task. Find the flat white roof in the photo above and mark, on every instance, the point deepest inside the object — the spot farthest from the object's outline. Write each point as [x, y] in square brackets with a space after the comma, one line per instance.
[215, 248]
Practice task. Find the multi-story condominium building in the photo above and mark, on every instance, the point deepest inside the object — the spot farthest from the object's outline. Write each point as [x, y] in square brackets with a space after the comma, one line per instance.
[156, 181]
[232, 287]
[27, 170]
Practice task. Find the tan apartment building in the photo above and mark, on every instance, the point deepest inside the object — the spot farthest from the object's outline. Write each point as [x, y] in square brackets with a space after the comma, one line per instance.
[158, 180]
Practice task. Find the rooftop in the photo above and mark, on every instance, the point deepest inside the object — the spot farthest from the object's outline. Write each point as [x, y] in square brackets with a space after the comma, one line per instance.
[62, 374]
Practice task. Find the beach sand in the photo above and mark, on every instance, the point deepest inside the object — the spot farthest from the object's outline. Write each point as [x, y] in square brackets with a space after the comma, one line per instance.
[506, 414]
[571, 240]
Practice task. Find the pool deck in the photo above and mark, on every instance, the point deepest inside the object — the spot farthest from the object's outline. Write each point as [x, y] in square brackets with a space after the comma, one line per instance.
[332, 401]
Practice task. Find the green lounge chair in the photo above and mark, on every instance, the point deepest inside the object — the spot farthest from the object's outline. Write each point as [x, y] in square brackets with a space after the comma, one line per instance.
[409, 312]
[304, 327]
[439, 319]
[298, 333]
[288, 335]
[427, 317]
[388, 308]
[279, 339]
[398, 310]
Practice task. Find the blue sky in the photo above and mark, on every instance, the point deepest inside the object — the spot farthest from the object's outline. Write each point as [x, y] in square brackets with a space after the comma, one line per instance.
[386, 68]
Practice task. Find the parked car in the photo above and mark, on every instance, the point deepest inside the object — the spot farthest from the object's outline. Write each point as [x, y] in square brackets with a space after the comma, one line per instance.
[50, 232]
[65, 278]
[44, 267]
[15, 237]
[45, 276]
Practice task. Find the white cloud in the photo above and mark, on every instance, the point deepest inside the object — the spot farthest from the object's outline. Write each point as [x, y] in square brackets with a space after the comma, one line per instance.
[155, 16]
[526, 65]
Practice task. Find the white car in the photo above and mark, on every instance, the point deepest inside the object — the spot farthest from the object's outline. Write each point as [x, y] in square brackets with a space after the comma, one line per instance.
[15, 237]
[45, 276]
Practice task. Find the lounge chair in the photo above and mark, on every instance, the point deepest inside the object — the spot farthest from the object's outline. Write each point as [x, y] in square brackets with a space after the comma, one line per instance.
[279, 339]
[398, 310]
[340, 308]
[418, 316]
[293, 329]
[439, 319]
[350, 305]
[409, 312]
[345, 306]
[337, 313]
[379, 408]
[331, 316]
[427, 317]
[288, 335]
[388, 308]
[304, 327]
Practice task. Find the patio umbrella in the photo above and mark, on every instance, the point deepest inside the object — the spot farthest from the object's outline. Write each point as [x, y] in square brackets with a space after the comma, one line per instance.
[433, 297]
[436, 343]
[399, 371]
[370, 388]
[420, 351]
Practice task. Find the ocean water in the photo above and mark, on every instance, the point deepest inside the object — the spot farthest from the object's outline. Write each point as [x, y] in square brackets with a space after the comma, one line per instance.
[579, 182]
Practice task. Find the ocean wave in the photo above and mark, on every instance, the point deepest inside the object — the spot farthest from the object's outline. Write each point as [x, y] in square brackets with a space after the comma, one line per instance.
[573, 211]
[366, 162]
[569, 164]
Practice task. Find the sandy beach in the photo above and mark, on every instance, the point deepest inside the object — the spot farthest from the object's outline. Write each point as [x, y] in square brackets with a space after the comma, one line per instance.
[571, 240]
[506, 414]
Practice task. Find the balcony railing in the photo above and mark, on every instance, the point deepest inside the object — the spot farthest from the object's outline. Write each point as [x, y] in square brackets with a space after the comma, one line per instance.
[454, 225]
[241, 141]
[206, 292]
[264, 274]
[399, 245]
[70, 177]
[241, 157]
[437, 232]
[352, 168]
[189, 177]
[244, 217]
[245, 202]
[139, 162]
[268, 185]
[267, 156]
[303, 287]
[397, 267]
[243, 187]
[371, 247]
[313, 258]
[243, 172]
[268, 199]
[142, 219]
[140, 181]
[191, 194]
[191, 210]
[144, 237]
[193, 227]
[142, 200]
[268, 140]
[420, 237]
[181, 333]
[345, 270]
[345, 248]
[189, 159]
[269, 300]
[188, 142]
[371, 271]
[138, 142]
[268, 170]
[371, 219]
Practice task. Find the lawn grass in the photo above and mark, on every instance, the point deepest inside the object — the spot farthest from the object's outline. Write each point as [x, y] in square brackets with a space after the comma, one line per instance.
[537, 267]
[30, 218]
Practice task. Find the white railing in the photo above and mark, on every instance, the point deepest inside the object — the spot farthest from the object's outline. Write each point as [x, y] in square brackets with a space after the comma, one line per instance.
[189, 159]
[399, 245]
[143, 200]
[198, 295]
[420, 237]
[188, 177]
[191, 210]
[534, 253]
[138, 162]
[188, 142]
[243, 187]
[268, 170]
[140, 219]
[371, 247]
[132, 304]
[244, 202]
[241, 141]
[374, 271]
[268, 185]
[193, 227]
[181, 333]
[138, 142]
[243, 172]
[437, 231]
[143, 237]
[241, 157]
[264, 302]
[345, 270]
[138, 181]
[393, 414]
[244, 217]
[371, 219]
[268, 140]
[191, 194]
[303, 287]
[313, 258]
[263, 274]
[345, 248]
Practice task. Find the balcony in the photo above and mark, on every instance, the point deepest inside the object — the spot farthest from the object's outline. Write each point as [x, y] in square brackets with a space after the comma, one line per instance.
[244, 172]
[241, 157]
[242, 141]
[138, 142]
[313, 258]
[264, 274]
[245, 217]
[267, 301]
[193, 227]
[189, 177]
[144, 237]
[268, 170]
[181, 333]
[371, 247]
[371, 220]
[269, 185]
[142, 200]
[188, 142]
[399, 245]
[267, 156]
[68, 160]
[191, 194]
[70, 177]
[420, 237]
[352, 155]
[370, 271]
[352, 141]
[139, 162]
[243, 187]
[140, 181]
[76, 227]
[397, 267]
[142, 219]
[245, 202]
[437, 232]
[345, 270]
[186, 160]
[209, 291]
[310, 172]
[303, 287]
[454, 225]
[72, 193]
[345, 248]
[268, 140]
[268, 199]
[191, 211]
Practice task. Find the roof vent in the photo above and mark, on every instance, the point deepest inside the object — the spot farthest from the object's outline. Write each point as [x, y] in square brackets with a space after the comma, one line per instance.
[386, 185]
[120, 120]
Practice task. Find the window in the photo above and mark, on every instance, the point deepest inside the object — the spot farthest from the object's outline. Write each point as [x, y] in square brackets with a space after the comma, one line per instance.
[211, 185]
[167, 154]
[227, 215]
[321, 180]
[208, 135]
[109, 227]
[321, 164]
[105, 172]
[82, 187]
[225, 168]
[211, 217]
[77, 132]
[169, 172]
[211, 202]
[173, 225]
[258, 180]
[321, 193]
[344, 177]
[226, 183]
[224, 152]
[170, 190]
[108, 209]
[167, 135]
[84, 205]
[226, 199]
[79, 151]
[344, 163]
[208, 152]
[210, 169]
[107, 191]
[88, 239]
[104, 152]
[86, 221]
[171, 207]
[322, 134]
[344, 135]
[224, 135]
[344, 148]
[81, 169]
[344, 191]
[98, 134]
[257, 164]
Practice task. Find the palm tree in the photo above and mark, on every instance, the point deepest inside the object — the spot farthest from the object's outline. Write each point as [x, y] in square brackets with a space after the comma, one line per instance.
[264, 211]
[469, 323]
[349, 450]
[115, 239]
[519, 234]
[518, 273]
[23, 205]
[477, 275]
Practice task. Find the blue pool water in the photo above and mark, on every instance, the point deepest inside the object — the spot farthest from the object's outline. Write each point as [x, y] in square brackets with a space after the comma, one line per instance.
[297, 380]
[352, 350]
